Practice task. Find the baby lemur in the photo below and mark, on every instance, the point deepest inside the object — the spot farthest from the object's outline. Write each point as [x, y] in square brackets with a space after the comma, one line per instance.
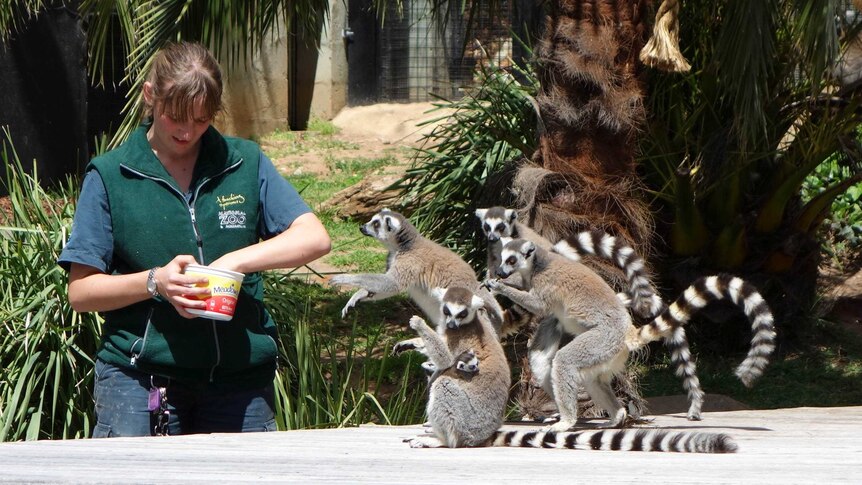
[416, 265]
[587, 308]
[467, 397]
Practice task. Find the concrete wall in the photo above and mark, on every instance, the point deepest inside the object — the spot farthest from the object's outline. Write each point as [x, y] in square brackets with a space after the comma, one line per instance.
[330, 83]
[258, 98]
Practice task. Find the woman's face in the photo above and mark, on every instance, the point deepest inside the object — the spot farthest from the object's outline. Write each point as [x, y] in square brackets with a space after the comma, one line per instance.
[175, 138]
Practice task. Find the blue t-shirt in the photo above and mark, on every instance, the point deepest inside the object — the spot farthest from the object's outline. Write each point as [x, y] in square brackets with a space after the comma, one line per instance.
[92, 241]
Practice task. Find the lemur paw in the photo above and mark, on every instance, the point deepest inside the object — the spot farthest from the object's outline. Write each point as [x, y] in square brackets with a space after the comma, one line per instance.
[492, 284]
[416, 322]
[403, 346]
[354, 299]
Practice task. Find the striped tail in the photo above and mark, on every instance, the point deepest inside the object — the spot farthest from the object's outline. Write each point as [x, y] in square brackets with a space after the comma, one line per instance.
[619, 440]
[714, 288]
[680, 357]
[641, 297]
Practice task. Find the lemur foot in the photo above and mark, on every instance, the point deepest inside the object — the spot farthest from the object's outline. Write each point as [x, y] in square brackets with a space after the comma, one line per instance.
[424, 442]
[616, 421]
[560, 426]
[404, 346]
[553, 418]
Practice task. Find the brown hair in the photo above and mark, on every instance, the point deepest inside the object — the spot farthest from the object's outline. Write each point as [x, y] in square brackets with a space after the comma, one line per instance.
[182, 74]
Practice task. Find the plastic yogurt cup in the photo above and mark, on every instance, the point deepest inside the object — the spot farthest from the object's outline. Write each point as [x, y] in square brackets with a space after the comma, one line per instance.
[224, 288]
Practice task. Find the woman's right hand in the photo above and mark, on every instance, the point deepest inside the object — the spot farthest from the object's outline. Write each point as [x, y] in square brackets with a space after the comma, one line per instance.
[176, 287]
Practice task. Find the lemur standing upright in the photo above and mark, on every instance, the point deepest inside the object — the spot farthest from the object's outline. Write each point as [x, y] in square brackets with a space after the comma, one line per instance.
[500, 222]
[416, 265]
[587, 307]
[467, 398]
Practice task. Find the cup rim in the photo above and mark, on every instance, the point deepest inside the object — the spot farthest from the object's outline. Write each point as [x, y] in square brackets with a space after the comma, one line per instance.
[217, 271]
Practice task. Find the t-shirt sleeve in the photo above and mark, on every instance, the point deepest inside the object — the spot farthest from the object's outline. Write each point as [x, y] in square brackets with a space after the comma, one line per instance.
[280, 203]
[92, 240]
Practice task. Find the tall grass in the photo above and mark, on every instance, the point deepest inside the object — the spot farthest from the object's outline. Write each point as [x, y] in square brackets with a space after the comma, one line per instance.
[47, 349]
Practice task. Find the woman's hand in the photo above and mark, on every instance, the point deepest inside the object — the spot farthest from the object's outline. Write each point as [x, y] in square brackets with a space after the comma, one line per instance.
[180, 290]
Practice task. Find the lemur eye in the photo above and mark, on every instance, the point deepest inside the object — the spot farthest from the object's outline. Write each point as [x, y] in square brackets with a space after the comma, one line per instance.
[375, 224]
[446, 311]
[501, 227]
[510, 260]
[462, 314]
[486, 227]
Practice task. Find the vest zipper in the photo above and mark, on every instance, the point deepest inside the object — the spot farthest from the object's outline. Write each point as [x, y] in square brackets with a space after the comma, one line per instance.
[198, 239]
[201, 254]
[142, 340]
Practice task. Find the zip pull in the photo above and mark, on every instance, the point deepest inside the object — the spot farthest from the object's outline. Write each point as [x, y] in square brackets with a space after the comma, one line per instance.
[198, 239]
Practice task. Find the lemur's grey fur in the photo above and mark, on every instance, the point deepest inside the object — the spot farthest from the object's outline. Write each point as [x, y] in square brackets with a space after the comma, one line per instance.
[415, 265]
[466, 410]
[498, 222]
[587, 307]
[463, 410]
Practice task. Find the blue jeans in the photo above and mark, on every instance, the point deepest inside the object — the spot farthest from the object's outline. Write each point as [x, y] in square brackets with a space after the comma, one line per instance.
[122, 397]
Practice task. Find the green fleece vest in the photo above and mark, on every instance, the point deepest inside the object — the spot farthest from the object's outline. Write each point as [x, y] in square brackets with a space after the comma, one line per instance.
[153, 222]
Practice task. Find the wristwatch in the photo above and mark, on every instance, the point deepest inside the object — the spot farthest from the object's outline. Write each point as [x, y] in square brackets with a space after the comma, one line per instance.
[152, 287]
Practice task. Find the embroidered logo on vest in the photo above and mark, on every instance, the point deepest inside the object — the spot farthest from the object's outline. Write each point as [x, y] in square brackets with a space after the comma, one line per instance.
[234, 218]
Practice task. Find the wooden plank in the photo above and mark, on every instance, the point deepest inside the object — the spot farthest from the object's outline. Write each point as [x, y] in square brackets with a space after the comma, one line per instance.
[799, 445]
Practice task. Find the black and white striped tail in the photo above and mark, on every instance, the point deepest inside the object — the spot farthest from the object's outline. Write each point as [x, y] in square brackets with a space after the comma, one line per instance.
[713, 288]
[680, 357]
[641, 297]
[619, 440]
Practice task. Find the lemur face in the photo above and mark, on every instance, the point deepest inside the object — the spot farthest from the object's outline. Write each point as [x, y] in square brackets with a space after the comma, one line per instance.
[515, 257]
[458, 306]
[383, 226]
[496, 222]
[467, 362]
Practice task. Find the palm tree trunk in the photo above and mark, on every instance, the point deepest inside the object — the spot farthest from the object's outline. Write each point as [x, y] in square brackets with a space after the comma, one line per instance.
[583, 174]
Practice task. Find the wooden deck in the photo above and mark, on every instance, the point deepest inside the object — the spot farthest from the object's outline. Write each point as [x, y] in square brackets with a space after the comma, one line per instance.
[801, 445]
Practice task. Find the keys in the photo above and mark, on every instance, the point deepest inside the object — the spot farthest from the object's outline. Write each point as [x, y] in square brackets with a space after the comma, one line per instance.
[157, 404]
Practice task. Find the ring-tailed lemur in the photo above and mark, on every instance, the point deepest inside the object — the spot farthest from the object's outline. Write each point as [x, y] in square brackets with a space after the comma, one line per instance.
[587, 307]
[641, 297]
[499, 222]
[416, 265]
[465, 409]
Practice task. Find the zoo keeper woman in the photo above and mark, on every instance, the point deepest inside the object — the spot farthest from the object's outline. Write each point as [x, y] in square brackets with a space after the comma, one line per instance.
[177, 192]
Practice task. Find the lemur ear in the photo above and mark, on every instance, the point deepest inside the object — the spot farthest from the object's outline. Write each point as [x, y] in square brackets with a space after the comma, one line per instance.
[511, 215]
[438, 293]
[392, 224]
[477, 302]
[528, 248]
[480, 213]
